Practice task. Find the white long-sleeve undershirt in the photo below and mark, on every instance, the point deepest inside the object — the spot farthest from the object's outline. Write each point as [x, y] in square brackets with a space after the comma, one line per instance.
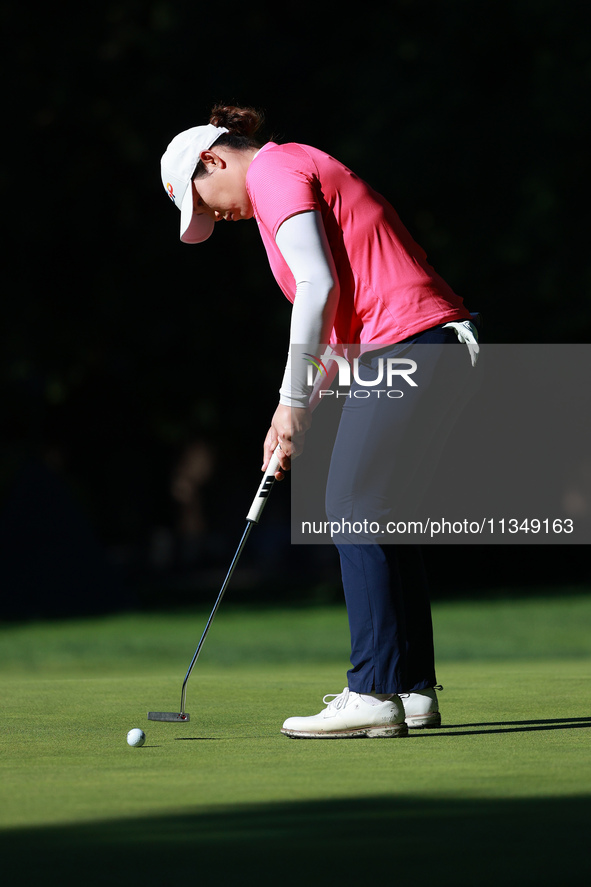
[303, 244]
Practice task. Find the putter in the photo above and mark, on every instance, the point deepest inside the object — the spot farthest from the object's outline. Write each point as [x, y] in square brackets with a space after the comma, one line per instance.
[253, 516]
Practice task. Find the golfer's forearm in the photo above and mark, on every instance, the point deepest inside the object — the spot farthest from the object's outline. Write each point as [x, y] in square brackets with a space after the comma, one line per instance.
[303, 244]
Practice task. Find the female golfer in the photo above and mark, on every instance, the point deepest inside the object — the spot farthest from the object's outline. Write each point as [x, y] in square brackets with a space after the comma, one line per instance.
[355, 277]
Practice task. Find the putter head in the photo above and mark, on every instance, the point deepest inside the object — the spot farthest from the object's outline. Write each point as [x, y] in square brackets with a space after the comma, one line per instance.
[171, 716]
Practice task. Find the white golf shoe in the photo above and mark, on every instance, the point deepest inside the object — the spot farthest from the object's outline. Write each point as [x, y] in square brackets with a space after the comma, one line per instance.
[421, 709]
[351, 715]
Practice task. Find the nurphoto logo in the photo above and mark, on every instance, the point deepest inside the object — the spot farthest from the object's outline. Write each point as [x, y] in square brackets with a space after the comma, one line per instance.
[389, 370]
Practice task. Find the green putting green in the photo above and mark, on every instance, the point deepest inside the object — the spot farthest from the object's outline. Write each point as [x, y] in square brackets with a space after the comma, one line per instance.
[500, 792]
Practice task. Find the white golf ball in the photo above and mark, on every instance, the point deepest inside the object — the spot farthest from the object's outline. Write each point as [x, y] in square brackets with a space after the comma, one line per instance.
[136, 737]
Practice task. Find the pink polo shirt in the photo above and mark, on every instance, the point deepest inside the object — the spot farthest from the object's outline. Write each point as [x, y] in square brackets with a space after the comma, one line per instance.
[388, 291]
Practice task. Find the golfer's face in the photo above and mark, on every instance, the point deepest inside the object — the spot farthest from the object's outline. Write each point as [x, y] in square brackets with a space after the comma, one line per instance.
[222, 194]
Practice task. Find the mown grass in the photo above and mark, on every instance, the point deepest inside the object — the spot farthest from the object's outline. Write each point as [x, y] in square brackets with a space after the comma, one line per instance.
[228, 798]
[495, 628]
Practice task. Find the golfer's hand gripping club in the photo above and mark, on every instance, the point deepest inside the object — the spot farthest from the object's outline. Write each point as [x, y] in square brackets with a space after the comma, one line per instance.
[256, 509]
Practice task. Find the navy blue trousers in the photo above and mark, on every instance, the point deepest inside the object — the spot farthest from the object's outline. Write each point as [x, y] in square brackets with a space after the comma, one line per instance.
[380, 463]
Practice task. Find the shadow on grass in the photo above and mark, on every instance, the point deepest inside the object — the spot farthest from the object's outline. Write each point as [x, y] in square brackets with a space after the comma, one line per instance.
[392, 839]
[506, 727]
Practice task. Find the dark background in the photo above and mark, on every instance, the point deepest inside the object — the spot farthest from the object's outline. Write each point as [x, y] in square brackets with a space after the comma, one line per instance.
[138, 374]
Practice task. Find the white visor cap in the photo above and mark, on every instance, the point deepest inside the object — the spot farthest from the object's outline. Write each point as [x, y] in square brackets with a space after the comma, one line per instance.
[177, 167]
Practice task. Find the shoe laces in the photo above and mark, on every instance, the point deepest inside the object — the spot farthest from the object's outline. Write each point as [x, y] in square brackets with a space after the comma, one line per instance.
[337, 700]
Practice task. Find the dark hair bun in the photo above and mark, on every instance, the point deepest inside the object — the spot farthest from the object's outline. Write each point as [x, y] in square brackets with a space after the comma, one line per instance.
[239, 121]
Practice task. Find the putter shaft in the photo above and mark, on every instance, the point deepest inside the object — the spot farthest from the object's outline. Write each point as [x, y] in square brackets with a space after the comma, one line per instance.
[213, 612]
[252, 517]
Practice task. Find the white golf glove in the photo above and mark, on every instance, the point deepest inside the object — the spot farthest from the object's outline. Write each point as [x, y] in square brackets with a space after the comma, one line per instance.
[468, 335]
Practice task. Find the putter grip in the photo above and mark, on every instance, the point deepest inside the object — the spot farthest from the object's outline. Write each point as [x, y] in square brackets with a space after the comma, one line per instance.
[258, 503]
